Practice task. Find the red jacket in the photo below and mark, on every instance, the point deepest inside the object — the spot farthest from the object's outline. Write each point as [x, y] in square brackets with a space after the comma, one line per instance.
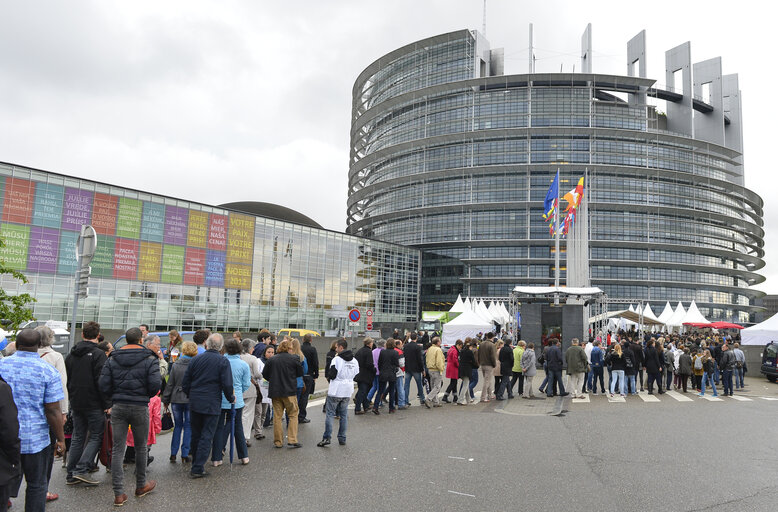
[452, 363]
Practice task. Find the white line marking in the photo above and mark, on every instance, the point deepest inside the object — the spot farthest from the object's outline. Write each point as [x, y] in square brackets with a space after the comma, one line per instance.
[741, 398]
[711, 398]
[767, 398]
[462, 494]
[647, 398]
[457, 458]
[679, 396]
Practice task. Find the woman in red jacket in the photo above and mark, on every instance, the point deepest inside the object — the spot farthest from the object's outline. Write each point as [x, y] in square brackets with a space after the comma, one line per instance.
[452, 371]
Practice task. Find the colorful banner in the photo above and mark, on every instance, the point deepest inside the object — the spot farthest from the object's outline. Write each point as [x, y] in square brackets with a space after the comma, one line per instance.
[240, 242]
[150, 261]
[217, 232]
[237, 276]
[47, 210]
[102, 263]
[194, 266]
[128, 221]
[175, 225]
[173, 264]
[42, 254]
[104, 214]
[125, 264]
[152, 228]
[214, 268]
[67, 252]
[18, 201]
[16, 239]
[77, 210]
[197, 232]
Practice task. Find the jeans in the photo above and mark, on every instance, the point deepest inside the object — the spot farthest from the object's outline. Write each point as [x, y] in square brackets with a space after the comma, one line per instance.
[203, 429]
[336, 406]
[717, 375]
[739, 374]
[631, 385]
[597, 373]
[82, 450]
[618, 376]
[419, 387]
[222, 435]
[124, 416]
[708, 377]
[400, 392]
[473, 382]
[182, 426]
[464, 391]
[373, 389]
[436, 382]
[505, 384]
[34, 467]
[382, 386]
[668, 378]
[362, 401]
[554, 379]
[726, 376]
[543, 384]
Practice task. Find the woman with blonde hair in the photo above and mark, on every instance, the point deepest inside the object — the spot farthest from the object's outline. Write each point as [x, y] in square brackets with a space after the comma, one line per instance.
[616, 360]
[297, 350]
[709, 365]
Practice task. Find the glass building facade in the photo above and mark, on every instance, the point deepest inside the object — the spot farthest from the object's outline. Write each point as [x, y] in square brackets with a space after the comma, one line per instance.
[450, 156]
[176, 264]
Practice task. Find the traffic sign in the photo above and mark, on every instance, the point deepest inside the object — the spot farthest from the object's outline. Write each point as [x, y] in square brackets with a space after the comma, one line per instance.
[369, 326]
[369, 312]
[354, 315]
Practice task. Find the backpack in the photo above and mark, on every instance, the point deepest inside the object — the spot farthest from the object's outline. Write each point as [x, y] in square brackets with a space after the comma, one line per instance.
[698, 363]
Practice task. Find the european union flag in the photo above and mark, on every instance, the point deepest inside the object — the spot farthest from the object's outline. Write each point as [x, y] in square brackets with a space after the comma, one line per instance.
[550, 204]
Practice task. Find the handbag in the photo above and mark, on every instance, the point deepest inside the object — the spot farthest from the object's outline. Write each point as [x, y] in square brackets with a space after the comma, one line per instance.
[167, 422]
[68, 426]
[106, 448]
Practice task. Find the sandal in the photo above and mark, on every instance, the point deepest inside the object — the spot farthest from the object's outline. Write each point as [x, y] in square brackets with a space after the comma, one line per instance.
[50, 496]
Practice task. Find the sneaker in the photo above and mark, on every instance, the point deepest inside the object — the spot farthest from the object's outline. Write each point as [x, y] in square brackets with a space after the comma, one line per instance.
[359, 413]
[72, 481]
[427, 403]
[86, 479]
[149, 460]
[217, 463]
[150, 485]
[173, 459]
[701, 394]
[342, 442]
[294, 445]
[119, 500]
[186, 459]
[324, 442]
[198, 475]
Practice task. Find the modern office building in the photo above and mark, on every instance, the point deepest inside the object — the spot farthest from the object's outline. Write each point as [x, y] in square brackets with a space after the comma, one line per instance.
[178, 264]
[453, 157]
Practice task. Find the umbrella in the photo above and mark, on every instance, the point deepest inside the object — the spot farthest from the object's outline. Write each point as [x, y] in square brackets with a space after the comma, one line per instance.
[232, 433]
[699, 325]
[725, 325]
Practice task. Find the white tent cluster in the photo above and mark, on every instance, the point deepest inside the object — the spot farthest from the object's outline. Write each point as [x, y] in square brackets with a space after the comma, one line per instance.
[474, 317]
[669, 320]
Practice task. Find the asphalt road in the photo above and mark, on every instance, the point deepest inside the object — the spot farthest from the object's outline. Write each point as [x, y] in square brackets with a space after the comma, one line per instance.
[550, 454]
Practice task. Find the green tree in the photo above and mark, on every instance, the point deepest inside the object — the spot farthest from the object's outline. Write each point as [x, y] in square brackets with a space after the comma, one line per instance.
[14, 309]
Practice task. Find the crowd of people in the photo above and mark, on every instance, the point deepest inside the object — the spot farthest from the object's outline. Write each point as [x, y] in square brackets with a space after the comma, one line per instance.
[222, 394]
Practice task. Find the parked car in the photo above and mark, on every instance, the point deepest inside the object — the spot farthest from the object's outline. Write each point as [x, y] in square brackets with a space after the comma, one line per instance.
[164, 339]
[296, 333]
[770, 361]
[61, 335]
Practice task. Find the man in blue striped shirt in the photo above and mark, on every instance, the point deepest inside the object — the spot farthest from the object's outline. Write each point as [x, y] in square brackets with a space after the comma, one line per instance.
[37, 390]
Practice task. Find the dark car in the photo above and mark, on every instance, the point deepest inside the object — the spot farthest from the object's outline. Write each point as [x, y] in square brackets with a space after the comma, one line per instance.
[770, 361]
[164, 340]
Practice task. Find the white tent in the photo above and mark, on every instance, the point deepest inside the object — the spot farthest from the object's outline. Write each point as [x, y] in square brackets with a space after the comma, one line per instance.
[676, 320]
[666, 313]
[466, 324]
[693, 315]
[762, 333]
[458, 306]
[468, 304]
[479, 308]
[506, 315]
[496, 313]
[631, 308]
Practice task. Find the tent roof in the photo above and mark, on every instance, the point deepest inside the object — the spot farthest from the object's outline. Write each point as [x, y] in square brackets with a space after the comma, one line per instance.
[458, 306]
[678, 315]
[667, 312]
[469, 319]
[769, 325]
[631, 317]
[693, 316]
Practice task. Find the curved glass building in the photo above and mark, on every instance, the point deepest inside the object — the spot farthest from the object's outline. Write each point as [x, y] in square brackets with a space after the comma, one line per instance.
[450, 155]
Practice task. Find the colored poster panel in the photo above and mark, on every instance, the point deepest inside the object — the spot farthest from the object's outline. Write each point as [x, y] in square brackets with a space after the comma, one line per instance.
[16, 239]
[67, 252]
[128, 221]
[47, 210]
[194, 266]
[197, 232]
[42, 254]
[77, 211]
[173, 264]
[217, 232]
[150, 261]
[152, 227]
[104, 214]
[237, 276]
[18, 201]
[2, 196]
[214, 268]
[175, 225]
[103, 264]
[125, 261]
[240, 242]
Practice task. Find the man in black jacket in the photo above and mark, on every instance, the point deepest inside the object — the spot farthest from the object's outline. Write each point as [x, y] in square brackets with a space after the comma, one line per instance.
[640, 360]
[414, 366]
[88, 405]
[11, 445]
[310, 378]
[364, 379]
[281, 372]
[554, 363]
[506, 371]
[130, 377]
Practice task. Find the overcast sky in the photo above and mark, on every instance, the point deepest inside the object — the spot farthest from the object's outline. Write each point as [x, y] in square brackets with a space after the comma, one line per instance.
[251, 100]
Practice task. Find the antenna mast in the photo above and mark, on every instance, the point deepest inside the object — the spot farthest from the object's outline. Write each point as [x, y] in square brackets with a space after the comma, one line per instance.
[483, 27]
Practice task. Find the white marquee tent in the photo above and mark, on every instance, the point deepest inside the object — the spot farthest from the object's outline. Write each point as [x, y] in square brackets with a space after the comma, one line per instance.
[761, 333]
[466, 324]
[458, 306]
[693, 315]
[667, 313]
[677, 319]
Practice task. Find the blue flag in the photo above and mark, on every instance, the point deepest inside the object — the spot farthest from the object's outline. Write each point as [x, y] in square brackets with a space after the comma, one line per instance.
[550, 204]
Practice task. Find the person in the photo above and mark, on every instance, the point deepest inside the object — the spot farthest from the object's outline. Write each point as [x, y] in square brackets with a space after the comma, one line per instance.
[340, 375]
[435, 367]
[130, 377]
[528, 369]
[174, 394]
[208, 377]
[175, 342]
[487, 362]
[301, 390]
[669, 360]
[639, 358]
[399, 386]
[615, 358]
[467, 363]
[331, 353]
[630, 367]
[10, 444]
[365, 377]
[596, 368]
[653, 366]
[241, 381]
[388, 364]
[414, 367]
[740, 364]
[281, 372]
[715, 352]
[200, 338]
[263, 410]
[250, 411]
[575, 357]
[452, 371]
[144, 330]
[36, 388]
[684, 368]
[497, 373]
[262, 342]
[309, 379]
[153, 343]
[698, 369]
[155, 427]
[380, 344]
[518, 352]
[588, 347]
[554, 361]
[727, 362]
[505, 358]
[709, 365]
[56, 360]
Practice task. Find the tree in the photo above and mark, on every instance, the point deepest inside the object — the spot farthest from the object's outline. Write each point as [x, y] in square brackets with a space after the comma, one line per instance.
[14, 309]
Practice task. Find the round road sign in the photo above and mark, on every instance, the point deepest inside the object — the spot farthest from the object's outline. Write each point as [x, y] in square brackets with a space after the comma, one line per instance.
[353, 315]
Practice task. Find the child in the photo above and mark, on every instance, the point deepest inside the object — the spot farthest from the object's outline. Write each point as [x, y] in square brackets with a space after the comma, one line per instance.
[155, 427]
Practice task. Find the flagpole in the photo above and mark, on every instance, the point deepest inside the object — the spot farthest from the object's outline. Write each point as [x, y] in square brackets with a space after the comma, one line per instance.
[556, 242]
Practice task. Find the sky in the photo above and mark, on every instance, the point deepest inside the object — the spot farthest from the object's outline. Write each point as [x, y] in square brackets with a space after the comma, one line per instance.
[246, 100]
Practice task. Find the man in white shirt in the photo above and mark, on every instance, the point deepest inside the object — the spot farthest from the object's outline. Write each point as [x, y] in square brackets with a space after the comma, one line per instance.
[588, 379]
[341, 374]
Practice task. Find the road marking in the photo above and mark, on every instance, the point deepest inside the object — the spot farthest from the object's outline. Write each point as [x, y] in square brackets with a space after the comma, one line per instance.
[647, 398]
[768, 398]
[711, 398]
[616, 398]
[462, 494]
[741, 398]
[678, 396]
[457, 458]
[583, 400]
